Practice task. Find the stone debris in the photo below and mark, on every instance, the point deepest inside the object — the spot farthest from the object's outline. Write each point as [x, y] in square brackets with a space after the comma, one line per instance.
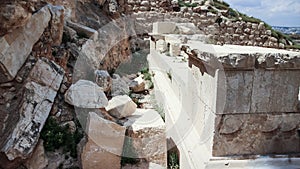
[36, 104]
[16, 46]
[86, 94]
[145, 130]
[137, 85]
[104, 147]
[103, 80]
[121, 106]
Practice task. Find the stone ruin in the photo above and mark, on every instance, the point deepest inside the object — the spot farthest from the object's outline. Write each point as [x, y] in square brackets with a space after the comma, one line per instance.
[227, 106]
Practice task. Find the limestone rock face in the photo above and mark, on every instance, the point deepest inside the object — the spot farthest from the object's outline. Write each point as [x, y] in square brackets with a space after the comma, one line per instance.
[16, 46]
[103, 80]
[121, 106]
[146, 130]
[12, 16]
[105, 144]
[86, 94]
[38, 160]
[35, 107]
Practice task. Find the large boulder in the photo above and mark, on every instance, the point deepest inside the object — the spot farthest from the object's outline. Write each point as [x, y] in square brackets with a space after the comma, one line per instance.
[16, 46]
[121, 106]
[86, 94]
[145, 130]
[105, 144]
[37, 101]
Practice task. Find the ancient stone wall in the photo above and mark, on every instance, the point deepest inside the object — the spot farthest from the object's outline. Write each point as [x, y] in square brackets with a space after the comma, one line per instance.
[224, 32]
[257, 103]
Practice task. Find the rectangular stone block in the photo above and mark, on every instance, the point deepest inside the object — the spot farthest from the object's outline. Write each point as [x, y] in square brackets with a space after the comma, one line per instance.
[175, 49]
[163, 27]
[146, 134]
[105, 144]
[238, 89]
[94, 157]
[275, 91]
[259, 91]
[256, 134]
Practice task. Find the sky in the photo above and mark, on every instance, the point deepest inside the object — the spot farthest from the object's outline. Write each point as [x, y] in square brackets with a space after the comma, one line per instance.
[273, 12]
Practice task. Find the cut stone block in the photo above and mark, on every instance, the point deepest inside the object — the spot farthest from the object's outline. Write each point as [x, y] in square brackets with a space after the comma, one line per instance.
[146, 130]
[86, 94]
[121, 106]
[161, 46]
[238, 91]
[163, 27]
[275, 91]
[175, 49]
[105, 144]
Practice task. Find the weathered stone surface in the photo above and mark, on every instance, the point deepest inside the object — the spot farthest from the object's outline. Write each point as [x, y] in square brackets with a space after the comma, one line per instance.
[38, 159]
[18, 45]
[164, 27]
[146, 130]
[175, 49]
[86, 94]
[251, 134]
[94, 157]
[35, 107]
[187, 28]
[47, 73]
[121, 106]
[275, 91]
[161, 46]
[103, 80]
[238, 91]
[104, 147]
[255, 57]
[57, 23]
[81, 29]
[12, 16]
[137, 85]
[119, 86]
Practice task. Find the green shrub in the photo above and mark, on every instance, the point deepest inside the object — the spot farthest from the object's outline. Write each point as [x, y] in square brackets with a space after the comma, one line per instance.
[181, 3]
[222, 6]
[173, 161]
[56, 136]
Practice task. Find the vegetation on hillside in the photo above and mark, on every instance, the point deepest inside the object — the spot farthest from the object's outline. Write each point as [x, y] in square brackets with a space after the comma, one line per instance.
[235, 15]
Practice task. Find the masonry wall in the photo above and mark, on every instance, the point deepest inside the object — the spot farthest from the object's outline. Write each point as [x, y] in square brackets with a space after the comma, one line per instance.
[227, 32]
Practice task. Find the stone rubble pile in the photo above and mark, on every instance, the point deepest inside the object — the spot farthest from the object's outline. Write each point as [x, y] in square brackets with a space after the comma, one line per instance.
[40, 42]
[144, 128]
